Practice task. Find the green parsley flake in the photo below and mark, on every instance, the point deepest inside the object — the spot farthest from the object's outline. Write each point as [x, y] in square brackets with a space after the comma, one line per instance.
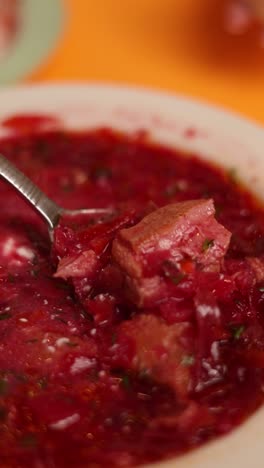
[34, 273]
[59, 319]
[102, 173]
[43, 383]
[176, 279]
[113, 338]
[188, 360]
[172, 273]
[5, 316]
[218, 209]
[67, 187]
[71, 344]
[21, 377]
[237, 331]
[171, 190]
[11, 278]
[126, 382]
[207, 244]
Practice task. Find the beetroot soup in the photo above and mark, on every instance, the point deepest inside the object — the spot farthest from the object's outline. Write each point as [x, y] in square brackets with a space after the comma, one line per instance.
[137, 336]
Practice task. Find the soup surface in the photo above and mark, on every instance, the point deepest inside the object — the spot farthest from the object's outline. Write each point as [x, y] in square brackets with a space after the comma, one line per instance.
[114, 353]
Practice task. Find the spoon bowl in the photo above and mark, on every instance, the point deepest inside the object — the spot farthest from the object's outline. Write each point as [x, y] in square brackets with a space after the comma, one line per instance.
[48, 209]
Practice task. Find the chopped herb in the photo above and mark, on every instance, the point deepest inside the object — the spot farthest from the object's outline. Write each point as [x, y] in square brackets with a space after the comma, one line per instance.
[172, 272]
[103, 172]
[71, 344]
[113, 338]
[60, 284]
[232, 175]
[176, 279]
[29, 441]
[59, 319]
[188, 360]
[218, 209]
[126, 382]
[5, 316]
[179, 186]
[35, 260]
[237, 331]
[168, 264]
[34, 273]
[87, 315]
[172, 190]
[67, 188]
[3, 387]
[43, 382]
[238, 302]
[207, 244]
[33, 340]
[21, 377]
[11, 278]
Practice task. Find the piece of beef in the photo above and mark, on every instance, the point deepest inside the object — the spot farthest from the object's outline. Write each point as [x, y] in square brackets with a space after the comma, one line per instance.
[77, 265]
[174, 233]
[161, 352]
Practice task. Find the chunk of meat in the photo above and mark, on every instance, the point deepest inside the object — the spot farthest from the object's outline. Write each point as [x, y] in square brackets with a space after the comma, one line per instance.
[78, 265]
[146, 291]
[160, 351]
[174, 233]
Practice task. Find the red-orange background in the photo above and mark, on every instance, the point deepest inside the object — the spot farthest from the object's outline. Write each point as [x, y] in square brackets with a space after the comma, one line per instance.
[178, 45]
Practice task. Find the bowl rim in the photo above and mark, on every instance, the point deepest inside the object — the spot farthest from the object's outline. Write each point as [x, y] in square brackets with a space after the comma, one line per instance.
[115, 87]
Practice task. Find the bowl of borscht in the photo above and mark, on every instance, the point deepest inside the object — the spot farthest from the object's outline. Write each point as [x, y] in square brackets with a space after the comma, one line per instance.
[135, 338]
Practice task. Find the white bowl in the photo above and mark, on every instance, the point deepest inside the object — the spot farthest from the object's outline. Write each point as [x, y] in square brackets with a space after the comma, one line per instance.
[217, 135]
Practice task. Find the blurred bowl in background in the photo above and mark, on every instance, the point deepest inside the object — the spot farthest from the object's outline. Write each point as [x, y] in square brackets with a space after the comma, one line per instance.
[29, 30]
[10, 22]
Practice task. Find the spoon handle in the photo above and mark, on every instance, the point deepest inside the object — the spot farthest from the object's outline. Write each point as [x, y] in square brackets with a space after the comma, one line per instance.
[44, 205]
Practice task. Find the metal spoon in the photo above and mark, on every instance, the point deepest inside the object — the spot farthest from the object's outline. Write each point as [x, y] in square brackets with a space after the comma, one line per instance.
[49, 210]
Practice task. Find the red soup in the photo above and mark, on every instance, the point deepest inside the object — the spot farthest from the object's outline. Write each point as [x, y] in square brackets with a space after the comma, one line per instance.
[136, 337]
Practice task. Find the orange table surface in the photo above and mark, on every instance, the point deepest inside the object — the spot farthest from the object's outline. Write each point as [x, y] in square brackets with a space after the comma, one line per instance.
[177, 45]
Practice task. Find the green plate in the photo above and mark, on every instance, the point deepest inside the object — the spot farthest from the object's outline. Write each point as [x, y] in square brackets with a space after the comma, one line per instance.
[41, 25]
